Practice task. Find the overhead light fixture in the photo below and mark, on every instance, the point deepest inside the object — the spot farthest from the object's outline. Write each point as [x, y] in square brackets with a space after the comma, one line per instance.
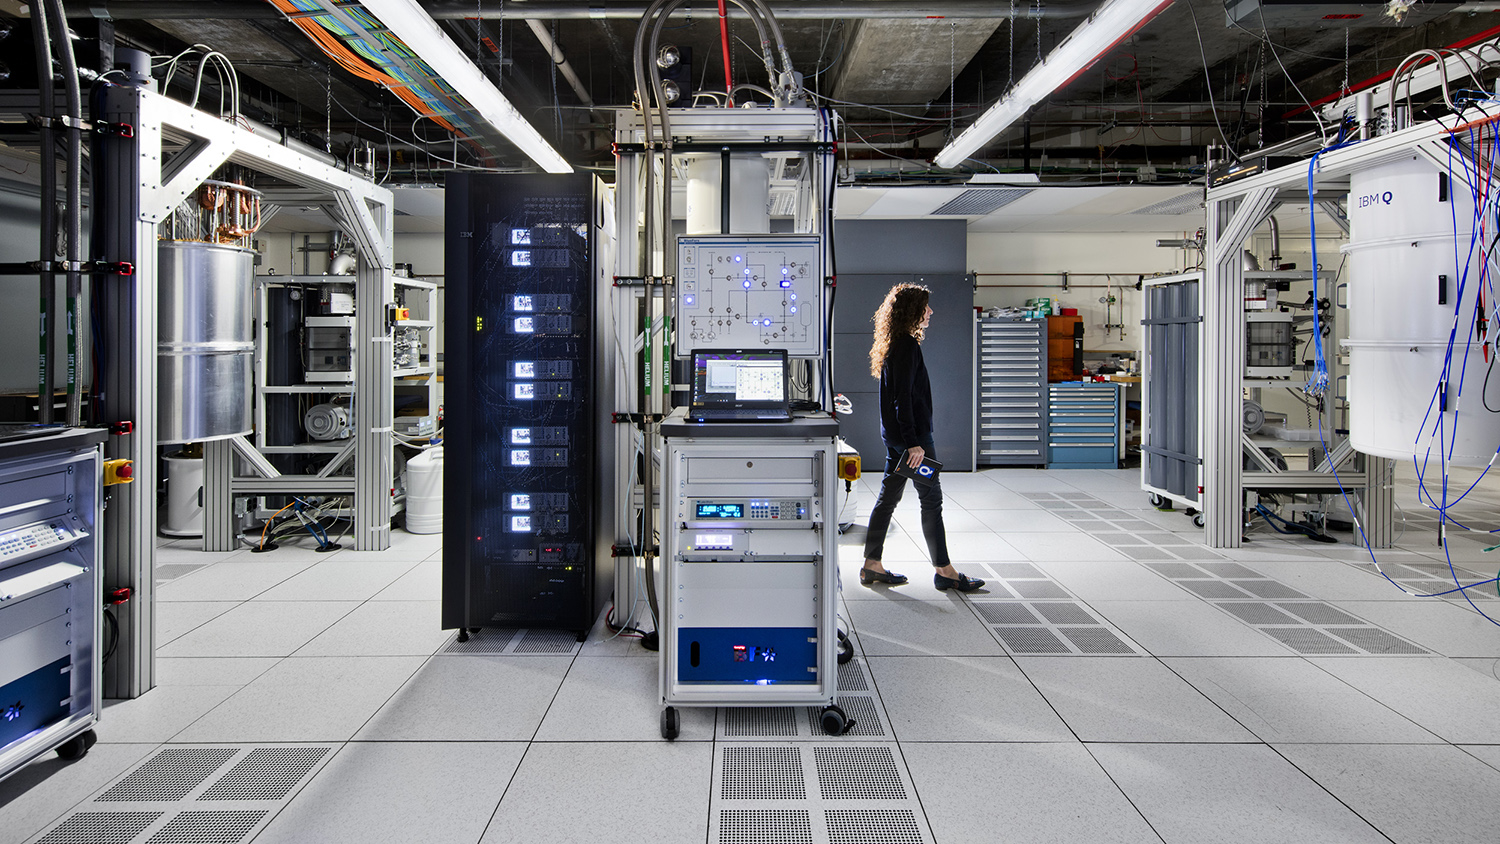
[411, 23]
[1114, 21]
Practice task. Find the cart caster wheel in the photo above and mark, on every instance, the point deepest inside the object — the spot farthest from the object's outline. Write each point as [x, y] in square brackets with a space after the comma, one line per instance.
[1198, 520]
[77, 746]
[846, 649]
[835, 722]
[669, 723]
[463, 635]
[1160, 502]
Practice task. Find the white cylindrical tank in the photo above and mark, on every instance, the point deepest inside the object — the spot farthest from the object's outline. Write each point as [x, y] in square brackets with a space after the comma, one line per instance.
[424, 492]
[749, 195]
[1404, 299]
[184, 495]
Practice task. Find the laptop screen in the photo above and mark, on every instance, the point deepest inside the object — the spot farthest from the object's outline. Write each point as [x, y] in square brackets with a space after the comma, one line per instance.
[735, 378]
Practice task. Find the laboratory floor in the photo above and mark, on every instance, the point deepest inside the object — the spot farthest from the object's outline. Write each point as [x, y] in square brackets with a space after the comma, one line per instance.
[1117, 681]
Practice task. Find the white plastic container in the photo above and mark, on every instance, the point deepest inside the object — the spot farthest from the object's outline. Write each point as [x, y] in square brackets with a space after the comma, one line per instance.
[184, 496]
[424, 492]
[1401, 242]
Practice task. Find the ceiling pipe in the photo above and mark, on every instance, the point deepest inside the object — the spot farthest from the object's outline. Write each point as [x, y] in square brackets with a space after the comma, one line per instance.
[590, 10]
[540, 31]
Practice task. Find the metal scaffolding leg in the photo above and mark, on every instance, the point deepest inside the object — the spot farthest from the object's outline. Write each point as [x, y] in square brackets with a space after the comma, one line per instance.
[1229, 223]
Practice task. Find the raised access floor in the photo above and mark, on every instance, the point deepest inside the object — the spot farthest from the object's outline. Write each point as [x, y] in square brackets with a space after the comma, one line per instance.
[1117, 682]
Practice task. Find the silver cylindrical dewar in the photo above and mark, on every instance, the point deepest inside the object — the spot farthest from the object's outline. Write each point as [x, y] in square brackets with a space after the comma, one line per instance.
[206, 344]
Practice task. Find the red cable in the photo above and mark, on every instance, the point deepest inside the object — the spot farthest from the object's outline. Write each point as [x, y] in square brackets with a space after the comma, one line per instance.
[724, 38]
[1381, 77]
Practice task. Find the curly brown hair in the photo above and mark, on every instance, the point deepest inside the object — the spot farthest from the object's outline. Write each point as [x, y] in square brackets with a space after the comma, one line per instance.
[900, 314]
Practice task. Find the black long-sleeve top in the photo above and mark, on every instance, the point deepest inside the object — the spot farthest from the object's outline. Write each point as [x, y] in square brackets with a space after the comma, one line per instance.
[905, 395]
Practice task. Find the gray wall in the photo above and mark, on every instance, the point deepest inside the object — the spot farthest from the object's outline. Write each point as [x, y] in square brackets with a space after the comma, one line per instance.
[872, 256]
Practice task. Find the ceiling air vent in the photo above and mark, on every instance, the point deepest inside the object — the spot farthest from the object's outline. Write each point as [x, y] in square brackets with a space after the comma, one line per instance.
[1185, 204]
[980, 201]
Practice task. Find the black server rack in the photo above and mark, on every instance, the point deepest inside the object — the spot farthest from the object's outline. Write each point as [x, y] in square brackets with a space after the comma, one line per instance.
[519, 419]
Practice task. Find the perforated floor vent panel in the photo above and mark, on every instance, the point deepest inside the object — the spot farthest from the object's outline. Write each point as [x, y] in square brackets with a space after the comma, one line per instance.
[100, 828]
[192, 795]
[1051, 628]
[496, 641]
[266, 773]
[208, 827]
[805, 723]
[1122, 530]
[855, 793]
[1293, 618]
[170, 775]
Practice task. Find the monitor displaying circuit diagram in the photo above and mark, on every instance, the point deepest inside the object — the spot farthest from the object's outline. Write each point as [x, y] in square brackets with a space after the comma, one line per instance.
[750, 291]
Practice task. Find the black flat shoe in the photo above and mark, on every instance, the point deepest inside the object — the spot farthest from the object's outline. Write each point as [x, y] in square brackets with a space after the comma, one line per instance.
[869, 577]
[964, 583]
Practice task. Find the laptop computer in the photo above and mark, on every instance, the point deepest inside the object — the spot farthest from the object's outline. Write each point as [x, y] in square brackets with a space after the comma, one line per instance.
[739, 385]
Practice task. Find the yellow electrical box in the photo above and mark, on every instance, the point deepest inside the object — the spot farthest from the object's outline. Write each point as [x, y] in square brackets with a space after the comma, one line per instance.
[401, 314]
[849, 467]
[118, 472]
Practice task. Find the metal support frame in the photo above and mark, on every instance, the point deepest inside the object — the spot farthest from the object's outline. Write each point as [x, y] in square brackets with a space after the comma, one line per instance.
[137, 185]
[784, 134]
[1235, 210]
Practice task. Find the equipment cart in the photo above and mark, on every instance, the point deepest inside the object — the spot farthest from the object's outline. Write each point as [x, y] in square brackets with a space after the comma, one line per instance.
[749, 566]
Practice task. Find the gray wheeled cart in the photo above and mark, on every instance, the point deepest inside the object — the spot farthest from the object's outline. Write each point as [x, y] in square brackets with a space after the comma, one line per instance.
[749, 553]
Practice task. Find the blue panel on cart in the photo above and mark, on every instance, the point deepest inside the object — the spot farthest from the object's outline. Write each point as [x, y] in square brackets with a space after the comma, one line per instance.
[761, 655]
[34, 701]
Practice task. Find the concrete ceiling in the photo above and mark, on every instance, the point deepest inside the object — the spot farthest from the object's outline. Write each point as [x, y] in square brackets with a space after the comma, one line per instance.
[1188, 78]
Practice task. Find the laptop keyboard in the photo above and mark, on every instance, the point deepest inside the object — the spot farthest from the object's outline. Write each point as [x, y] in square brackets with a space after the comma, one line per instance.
[734, 415]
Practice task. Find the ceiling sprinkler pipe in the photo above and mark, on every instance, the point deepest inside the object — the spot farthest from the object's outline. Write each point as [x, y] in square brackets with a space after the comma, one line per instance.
[542, 35]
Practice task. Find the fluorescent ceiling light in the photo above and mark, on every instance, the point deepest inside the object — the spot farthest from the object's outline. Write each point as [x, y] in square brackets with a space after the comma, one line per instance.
[1115, 21]
[411, 23]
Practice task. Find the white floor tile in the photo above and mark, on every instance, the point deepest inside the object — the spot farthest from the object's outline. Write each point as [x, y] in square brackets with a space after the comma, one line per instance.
[339, 579]
[1448, 699]
[1123, 700]
[260, 628]
[230, 581]
[175, 619]
[1042, 793]
[1186, 628]
[159, 714]
[471, 698]
[921, 628]
[305, 699]
[985, 547]
[1005, 522]
[41, 792]
[424, 582]
[1243, 793]
[393, 793]
[606, 699]
[653, 791]
[978, 699]
[383, 628]
[1410, 793]
[1292, 700]
[1045, 546]
[211, 670]
[1116, 581]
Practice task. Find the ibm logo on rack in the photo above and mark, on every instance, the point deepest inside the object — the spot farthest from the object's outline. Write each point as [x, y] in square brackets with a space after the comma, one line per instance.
[1372, 199]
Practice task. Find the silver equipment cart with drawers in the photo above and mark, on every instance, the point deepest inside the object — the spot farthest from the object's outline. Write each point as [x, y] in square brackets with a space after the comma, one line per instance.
[749, 551]
[51, 593]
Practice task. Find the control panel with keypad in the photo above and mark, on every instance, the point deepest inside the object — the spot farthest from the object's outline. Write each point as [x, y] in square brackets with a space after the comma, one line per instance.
[35, 540]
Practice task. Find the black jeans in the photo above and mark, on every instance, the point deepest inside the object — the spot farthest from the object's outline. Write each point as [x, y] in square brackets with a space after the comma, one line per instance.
[931, 498]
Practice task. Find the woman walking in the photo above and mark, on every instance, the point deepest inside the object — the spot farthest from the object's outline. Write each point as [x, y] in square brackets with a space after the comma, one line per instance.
[906, 428]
